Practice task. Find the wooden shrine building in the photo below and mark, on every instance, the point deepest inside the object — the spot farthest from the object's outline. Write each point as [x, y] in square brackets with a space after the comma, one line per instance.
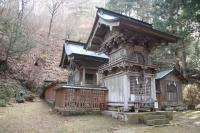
[82, 64]
[82, 92]
[169, 88]
[129, 75]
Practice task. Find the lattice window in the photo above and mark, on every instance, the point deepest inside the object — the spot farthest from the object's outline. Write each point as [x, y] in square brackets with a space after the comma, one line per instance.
[141, 89]
[171, 91]
[135, 85]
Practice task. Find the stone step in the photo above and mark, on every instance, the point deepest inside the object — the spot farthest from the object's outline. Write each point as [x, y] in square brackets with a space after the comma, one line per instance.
[154, 122]
[150, 117]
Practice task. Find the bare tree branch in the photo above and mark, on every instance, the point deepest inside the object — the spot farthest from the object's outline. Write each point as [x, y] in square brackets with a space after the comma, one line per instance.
[53, 8]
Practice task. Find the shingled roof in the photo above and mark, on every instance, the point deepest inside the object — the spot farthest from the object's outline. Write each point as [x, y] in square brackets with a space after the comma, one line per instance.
[76, 49]
[164, 73]
[72, 47]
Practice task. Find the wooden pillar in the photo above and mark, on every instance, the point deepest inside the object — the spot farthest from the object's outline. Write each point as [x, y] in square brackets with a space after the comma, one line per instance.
[126, 88]
[153, 88]
[83, 79]
[97, 74]
[143, 84]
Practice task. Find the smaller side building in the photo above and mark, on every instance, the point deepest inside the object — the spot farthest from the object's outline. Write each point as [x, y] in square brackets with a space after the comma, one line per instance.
[82, 64]
[82, 93]
[169, 88]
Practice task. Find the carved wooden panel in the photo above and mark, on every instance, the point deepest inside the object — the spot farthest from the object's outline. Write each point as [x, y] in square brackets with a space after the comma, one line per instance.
[141, 59]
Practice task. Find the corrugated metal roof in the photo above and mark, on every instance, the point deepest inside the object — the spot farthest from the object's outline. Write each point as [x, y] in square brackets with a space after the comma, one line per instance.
[72, 48]
[162, 74]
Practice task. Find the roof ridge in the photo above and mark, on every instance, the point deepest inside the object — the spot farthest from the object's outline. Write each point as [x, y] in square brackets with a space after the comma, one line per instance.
[124, 16]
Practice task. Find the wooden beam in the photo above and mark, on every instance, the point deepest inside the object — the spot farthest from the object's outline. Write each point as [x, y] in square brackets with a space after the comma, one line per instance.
[83, 79]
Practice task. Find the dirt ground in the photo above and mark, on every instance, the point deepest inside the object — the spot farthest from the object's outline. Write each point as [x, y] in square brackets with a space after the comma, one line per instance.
[37, 117]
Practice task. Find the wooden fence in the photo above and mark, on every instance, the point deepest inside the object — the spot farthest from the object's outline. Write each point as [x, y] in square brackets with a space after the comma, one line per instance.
[84, 100]
[81, 100]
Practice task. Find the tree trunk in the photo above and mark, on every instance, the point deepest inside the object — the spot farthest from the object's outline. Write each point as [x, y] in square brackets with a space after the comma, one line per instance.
[6, 60]
[50, 25]
[184, 65]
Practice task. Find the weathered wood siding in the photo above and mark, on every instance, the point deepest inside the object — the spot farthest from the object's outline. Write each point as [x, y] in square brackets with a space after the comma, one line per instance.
[59, 101]
[116, 88]
[50, 94]
[122, 89]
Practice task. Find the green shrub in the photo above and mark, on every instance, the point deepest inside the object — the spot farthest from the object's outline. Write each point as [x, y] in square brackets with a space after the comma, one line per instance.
[191, 95]
[8, 91]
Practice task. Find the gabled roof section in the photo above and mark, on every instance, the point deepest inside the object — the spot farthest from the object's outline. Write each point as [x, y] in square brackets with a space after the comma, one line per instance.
[109, 19]
[72, 47]
[75, 50]
[164, 73]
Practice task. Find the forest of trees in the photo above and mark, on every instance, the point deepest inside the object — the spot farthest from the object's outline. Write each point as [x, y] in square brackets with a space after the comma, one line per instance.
[32, 28]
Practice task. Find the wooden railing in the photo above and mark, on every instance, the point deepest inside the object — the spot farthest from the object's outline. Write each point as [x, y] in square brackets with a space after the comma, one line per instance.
[149, 62]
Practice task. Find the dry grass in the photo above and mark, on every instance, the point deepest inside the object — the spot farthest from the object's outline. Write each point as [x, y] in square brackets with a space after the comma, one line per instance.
[188, 118]
[37, 117]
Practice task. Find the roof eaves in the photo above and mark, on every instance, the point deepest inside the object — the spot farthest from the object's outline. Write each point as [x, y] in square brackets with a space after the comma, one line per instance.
[164, 73]
[74, 42]
[92, 32]
[63, 56]
[141, 23]
[89, 56]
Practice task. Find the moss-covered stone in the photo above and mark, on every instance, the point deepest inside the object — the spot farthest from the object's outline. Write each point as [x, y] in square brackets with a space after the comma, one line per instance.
[150, 117]
[20, 96]
[2, 103]
[157, 122]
